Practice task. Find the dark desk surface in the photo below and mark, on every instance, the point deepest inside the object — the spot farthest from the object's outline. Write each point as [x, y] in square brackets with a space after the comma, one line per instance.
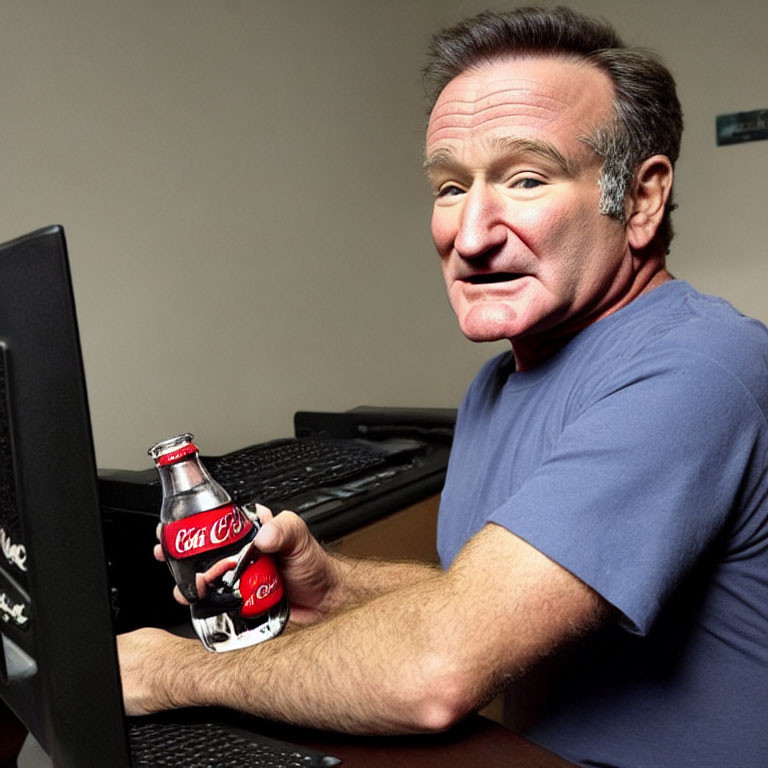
[476, 743]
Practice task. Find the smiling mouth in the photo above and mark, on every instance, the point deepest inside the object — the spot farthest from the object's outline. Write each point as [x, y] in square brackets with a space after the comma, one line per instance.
[493, 277]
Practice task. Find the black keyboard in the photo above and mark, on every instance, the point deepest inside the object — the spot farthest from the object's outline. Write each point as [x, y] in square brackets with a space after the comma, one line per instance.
[283, 468]
[212, 745]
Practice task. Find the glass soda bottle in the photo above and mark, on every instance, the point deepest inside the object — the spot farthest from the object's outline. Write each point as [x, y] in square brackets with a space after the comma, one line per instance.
[200, 526]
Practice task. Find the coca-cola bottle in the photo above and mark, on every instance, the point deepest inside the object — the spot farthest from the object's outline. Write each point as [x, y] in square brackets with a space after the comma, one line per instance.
[200, 526]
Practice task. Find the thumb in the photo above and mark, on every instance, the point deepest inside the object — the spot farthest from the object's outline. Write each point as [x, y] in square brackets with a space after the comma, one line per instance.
[285, 534]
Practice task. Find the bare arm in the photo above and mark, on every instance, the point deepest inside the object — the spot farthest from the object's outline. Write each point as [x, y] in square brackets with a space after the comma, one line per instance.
[319, 583]
[414, 659]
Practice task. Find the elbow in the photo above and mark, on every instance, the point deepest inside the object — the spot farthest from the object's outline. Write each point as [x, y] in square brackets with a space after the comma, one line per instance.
[438, 715]
[443, 698]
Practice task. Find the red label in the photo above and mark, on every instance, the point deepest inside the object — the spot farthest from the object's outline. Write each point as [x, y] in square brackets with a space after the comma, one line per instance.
[205, 531]
[260, 586]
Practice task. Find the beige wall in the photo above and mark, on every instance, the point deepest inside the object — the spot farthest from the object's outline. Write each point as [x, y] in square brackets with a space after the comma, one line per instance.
[248, 227]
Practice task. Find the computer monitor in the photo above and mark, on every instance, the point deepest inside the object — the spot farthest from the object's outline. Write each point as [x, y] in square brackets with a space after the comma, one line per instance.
[58, 662]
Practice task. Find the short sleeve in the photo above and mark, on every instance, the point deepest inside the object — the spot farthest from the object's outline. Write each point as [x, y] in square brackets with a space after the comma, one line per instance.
[642, 479]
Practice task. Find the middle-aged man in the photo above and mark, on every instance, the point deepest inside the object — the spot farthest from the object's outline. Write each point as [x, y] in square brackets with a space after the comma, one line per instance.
[605, 504]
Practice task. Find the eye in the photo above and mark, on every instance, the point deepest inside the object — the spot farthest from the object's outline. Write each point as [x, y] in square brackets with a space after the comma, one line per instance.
[527, 182]
[449, 190]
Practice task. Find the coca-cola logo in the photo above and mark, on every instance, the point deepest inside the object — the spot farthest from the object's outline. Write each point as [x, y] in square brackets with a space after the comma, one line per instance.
[13, 553]
[205, 531]
[265, 590]
[227, 527]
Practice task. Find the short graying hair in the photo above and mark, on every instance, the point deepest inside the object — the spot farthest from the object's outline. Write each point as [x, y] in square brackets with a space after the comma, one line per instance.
[648, 117]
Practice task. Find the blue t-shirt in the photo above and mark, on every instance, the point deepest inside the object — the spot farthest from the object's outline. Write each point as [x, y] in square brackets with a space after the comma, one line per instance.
[637, 458]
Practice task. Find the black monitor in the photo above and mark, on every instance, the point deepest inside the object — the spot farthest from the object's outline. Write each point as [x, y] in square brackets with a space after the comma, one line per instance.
[58, 660]
[56, 672]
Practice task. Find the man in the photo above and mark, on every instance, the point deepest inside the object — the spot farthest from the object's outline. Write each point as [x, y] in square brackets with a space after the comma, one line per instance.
[606, 497]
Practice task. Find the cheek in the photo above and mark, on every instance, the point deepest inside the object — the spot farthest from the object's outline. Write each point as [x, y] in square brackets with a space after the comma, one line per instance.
[542, 229]
[443, 230]
[557, 233]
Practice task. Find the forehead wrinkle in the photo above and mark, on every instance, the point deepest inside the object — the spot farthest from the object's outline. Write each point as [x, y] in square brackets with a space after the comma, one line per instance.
[480, 116]
[480, 87]
[470, 107]
[472, 123]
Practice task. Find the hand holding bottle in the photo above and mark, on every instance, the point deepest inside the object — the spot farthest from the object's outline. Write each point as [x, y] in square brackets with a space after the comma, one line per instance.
[202, 529]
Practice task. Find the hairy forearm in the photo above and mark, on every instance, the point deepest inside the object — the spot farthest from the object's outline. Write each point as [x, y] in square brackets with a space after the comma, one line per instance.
[320, 583]
[359, 581]
[416, 658]
[364, 670]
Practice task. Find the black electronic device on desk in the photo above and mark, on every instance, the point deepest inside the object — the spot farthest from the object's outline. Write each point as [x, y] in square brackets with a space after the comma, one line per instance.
[340, 472]
[58, 663]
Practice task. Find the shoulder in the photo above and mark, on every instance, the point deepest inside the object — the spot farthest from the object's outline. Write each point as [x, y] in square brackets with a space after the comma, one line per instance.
[715, 330]
[676, 331]
[711, 342]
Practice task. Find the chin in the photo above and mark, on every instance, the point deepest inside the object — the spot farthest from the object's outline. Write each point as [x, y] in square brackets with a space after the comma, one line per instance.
[479, 333]
[490, 326]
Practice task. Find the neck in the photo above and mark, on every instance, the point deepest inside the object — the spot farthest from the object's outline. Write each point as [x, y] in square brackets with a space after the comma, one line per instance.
[530, 351]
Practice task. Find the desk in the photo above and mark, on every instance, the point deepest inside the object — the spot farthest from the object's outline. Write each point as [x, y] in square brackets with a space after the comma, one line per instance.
[476, 743]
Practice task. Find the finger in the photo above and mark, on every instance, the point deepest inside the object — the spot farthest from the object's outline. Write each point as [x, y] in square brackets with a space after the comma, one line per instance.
[264, 514]
[283, 533]
[158, 549]
[204, 581]
[178, 597]
[216, 571]
[202, 585]
[270, 537]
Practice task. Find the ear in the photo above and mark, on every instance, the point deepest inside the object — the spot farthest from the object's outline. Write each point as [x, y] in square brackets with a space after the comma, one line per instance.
[651, 190]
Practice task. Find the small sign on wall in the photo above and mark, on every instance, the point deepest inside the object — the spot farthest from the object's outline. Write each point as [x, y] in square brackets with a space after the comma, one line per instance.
[742, 126]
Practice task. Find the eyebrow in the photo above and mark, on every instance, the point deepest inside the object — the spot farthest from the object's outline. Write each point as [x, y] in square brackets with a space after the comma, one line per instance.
[443, 158]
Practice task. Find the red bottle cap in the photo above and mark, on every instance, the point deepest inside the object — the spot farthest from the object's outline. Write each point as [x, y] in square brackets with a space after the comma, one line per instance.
[173, 456]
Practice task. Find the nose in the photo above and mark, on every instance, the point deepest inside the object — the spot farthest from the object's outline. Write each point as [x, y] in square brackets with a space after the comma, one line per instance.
[481, 225]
